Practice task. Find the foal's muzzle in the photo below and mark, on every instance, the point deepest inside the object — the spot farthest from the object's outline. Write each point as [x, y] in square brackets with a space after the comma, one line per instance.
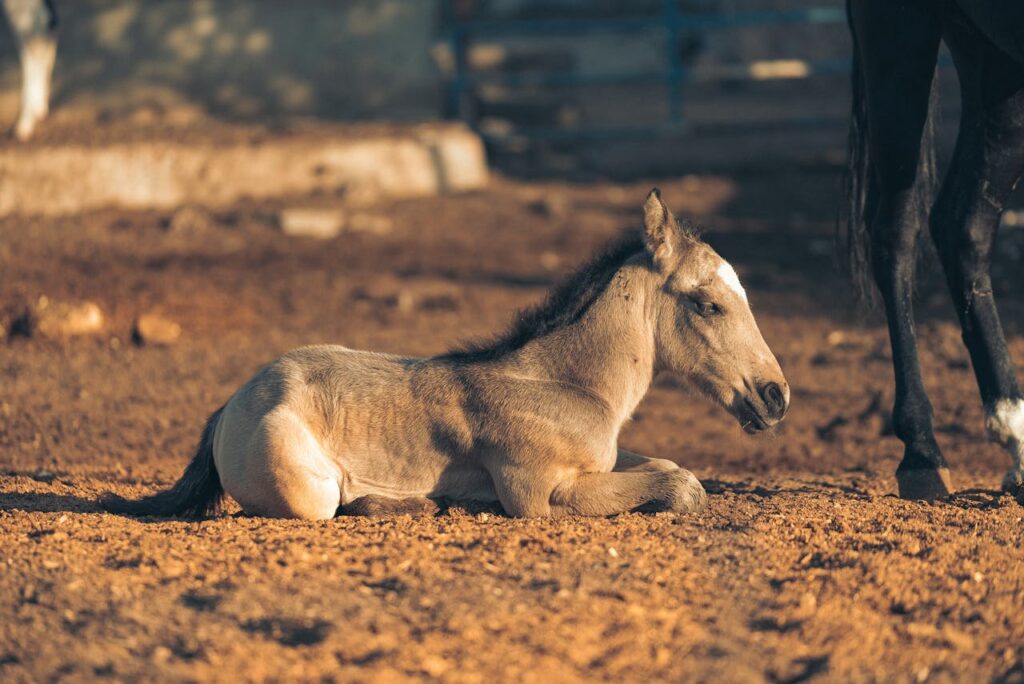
[775, 400]
[764, 408]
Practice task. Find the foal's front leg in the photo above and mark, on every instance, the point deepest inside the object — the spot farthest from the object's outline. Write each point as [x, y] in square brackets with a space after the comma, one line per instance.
[628, 462]
[611, 493]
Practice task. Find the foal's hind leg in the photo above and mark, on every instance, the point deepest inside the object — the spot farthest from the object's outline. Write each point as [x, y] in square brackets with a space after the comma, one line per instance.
[987, 164]
[899, 45]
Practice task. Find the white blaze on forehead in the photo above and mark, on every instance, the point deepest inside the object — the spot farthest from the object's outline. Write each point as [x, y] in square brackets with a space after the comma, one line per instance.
[728, 275]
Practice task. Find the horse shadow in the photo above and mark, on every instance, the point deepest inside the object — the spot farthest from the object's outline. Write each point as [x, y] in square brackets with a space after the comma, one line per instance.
[45, 502]
[745, 487]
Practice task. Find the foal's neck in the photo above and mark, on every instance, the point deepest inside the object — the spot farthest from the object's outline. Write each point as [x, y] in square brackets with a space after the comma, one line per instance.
[609, 351]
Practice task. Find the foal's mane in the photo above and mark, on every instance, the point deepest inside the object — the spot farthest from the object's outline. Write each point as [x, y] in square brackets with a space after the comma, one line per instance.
[564, 305]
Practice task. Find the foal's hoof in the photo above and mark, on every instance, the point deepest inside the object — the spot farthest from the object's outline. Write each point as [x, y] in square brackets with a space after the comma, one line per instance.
[924, 483]
[688, 495]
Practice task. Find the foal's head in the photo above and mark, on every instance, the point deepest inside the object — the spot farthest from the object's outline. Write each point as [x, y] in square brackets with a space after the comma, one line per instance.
[705, 331]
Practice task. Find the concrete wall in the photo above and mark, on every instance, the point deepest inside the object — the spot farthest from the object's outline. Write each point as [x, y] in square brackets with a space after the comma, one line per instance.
[241, 59]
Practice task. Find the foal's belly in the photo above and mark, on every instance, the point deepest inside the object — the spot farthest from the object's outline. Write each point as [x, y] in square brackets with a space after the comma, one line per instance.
[406, 475]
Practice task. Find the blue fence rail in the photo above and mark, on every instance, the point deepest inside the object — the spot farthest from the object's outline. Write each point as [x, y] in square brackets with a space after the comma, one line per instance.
[671, 21]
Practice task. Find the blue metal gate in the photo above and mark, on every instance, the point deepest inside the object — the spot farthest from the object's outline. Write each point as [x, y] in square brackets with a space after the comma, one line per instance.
[464, 29]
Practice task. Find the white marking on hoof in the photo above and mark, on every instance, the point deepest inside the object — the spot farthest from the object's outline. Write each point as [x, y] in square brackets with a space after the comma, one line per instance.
[1013, 481]
[728, 275]
[1005, 423]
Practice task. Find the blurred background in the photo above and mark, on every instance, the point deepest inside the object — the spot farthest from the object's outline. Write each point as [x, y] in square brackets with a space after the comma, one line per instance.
[743, 82]
[220, 181]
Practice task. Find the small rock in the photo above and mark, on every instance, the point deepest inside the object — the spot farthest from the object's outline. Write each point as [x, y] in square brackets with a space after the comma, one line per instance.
[550, 260]
[190, 220]
[154, 329]
[370, 223]
[836, 338]
[321, 223]
[173, 568]
[161, 654]
[612, 552]
[43, 475]
[433, 665]
[551, 206]
[60, 320]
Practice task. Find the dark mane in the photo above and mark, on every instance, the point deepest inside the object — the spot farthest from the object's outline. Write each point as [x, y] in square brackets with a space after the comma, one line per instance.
[564, 305]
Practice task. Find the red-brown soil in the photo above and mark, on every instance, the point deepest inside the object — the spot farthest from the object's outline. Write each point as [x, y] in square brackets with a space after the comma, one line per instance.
[805, 565]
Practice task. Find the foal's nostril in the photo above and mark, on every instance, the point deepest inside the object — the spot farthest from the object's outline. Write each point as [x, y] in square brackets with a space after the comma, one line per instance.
[774, 399]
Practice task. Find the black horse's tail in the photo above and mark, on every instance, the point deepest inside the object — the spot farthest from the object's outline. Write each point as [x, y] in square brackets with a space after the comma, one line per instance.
[861, 191]
[196, 494]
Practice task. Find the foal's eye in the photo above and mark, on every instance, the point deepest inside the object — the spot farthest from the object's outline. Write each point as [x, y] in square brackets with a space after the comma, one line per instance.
[706, 308]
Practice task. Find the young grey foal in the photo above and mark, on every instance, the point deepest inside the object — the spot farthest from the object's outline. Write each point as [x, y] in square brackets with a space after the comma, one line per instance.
[530, 420]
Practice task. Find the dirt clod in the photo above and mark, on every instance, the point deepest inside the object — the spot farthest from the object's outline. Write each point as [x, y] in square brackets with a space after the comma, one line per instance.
[154, 329]
[57, 320]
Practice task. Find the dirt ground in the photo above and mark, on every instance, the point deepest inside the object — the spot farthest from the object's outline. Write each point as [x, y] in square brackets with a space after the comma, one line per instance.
[804, 566]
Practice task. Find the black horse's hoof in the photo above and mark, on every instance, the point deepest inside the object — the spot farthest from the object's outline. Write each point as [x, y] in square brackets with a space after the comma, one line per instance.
[1013, 484]
[924, 483]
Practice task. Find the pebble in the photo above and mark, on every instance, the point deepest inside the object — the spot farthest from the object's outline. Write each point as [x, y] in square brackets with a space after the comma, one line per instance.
[161, 654]
[370, 223]
[321, 223]
[551, 206]
[43, 475]
[434, 665]
[190, 220]
[60, 320]
[550, 261]
[154, 329]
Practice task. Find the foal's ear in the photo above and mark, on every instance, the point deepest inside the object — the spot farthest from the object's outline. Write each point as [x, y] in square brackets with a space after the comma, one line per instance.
[662, 234]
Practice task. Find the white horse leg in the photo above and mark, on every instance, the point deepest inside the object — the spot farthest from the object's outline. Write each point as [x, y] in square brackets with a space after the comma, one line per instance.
[1005, 422]
[34, 34]
[37, 58]
[281, 471]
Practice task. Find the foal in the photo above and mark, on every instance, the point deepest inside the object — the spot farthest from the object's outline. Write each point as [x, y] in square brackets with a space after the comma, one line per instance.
[530, 420]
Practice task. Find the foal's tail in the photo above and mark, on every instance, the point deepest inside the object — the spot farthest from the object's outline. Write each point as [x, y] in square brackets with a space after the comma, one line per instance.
[861, 191]
[196, 494]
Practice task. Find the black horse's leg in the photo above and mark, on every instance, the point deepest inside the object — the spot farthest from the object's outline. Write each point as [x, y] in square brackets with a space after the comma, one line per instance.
[987, 164]
[898, 42]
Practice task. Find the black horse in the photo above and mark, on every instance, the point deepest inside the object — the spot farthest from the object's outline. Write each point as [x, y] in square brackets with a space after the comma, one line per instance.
[891, 182]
